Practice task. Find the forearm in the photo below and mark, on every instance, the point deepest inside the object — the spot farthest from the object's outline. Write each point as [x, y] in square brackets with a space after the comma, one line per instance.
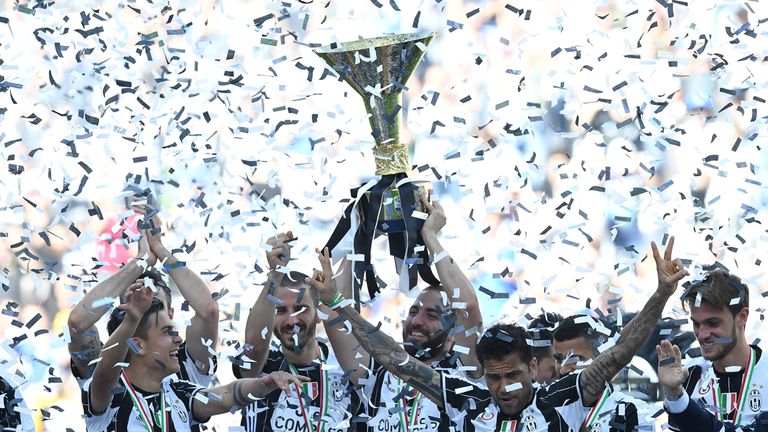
[236, 394]
[84, 316]
[106, 374]
[463, 300]
[391, 355]
[345, 345]
[191, 286]
[632, 337]
[636, 332]
[260, 324]
[84, 347]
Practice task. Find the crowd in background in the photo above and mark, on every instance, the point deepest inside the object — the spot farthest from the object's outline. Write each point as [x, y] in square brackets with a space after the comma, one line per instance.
[560, 137]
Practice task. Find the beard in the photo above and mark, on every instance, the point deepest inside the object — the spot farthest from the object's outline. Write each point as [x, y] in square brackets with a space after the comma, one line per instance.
[433, 345]
[295, 337]
[723, 349]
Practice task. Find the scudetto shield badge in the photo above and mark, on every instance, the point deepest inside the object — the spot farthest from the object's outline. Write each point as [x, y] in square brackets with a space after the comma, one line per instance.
[755, 400]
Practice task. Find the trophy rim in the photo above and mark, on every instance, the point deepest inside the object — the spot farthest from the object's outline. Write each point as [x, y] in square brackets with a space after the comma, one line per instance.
[375, 42]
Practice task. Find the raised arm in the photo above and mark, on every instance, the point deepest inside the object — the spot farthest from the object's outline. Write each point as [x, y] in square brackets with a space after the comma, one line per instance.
[385, 350]
[261, 318]
[343, 342]
[242, 392]
[594, 377]
[454, 282]
[85, 345]
[204, 326]
[107, 374]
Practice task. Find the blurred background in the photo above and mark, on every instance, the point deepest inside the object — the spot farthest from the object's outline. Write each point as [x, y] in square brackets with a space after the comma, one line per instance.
[561, 137]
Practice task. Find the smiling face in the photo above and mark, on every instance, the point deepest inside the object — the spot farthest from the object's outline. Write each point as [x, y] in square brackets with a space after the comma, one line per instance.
[425, 327]
[570, 352]
[510, 382]
[160, 345]
[296, 319]
[710, 323]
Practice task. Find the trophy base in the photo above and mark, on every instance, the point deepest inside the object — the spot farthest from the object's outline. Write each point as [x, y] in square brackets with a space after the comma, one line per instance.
[390, 218]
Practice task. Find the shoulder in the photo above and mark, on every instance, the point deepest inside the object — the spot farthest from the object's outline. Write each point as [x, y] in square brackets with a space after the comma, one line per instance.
[561, 392]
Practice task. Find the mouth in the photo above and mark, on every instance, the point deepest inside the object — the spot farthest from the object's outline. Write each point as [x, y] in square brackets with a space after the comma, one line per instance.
[505, 400]
[174, 353]
[416, 334]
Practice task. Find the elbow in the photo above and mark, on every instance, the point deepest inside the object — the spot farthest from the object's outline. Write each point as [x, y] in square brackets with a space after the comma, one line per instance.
[210, 312]
[75, 322]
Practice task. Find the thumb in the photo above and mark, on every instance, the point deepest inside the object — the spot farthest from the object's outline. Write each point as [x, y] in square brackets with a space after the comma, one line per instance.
[314, 283]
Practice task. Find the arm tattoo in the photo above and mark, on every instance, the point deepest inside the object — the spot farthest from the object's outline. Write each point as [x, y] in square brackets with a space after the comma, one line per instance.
[238, 397]
[89, 350]
[394, 358]
[632, 337]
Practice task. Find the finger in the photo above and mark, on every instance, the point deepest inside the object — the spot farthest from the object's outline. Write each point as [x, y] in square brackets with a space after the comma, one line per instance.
[325, 263]
[668, 250]
[679, 275]
[655, 251]
[427, 205]
[317, 275]
[437, 206]
[313, 283]
[678, 355]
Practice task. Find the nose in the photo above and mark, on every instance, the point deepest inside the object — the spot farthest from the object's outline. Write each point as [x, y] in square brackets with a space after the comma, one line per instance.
[418, 320]
[703, 333]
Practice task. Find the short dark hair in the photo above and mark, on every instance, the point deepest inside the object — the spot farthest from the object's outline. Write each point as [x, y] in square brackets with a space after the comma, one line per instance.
[569, 329]
[502, 340]
[157, 280]
[717, 289]
[297, 280]
[541, 330]
[117, 315]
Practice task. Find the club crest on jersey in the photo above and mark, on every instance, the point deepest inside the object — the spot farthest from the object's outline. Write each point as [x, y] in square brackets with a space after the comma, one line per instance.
[311, 389]
[755, 400]
[181, 412]
[337, 391]
[529, 422]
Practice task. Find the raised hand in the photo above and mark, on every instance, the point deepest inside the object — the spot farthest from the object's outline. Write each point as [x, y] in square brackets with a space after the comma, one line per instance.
[137, 301]
[322, 280]
[283, 381]
[144, 251]
[436, 219]
[669, 271]
[280, 253]
[154, 241]
[672, 375]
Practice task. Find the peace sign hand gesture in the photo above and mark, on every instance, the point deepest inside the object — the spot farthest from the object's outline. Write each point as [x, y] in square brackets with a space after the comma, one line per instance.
[669, 271]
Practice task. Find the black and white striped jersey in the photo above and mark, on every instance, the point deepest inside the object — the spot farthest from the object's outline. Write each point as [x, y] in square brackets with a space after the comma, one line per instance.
[326, 403]
[132, 408]
[393, 406]
[556, 407]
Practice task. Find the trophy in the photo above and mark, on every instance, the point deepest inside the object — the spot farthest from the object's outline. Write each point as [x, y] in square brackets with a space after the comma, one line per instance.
[377, 69]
